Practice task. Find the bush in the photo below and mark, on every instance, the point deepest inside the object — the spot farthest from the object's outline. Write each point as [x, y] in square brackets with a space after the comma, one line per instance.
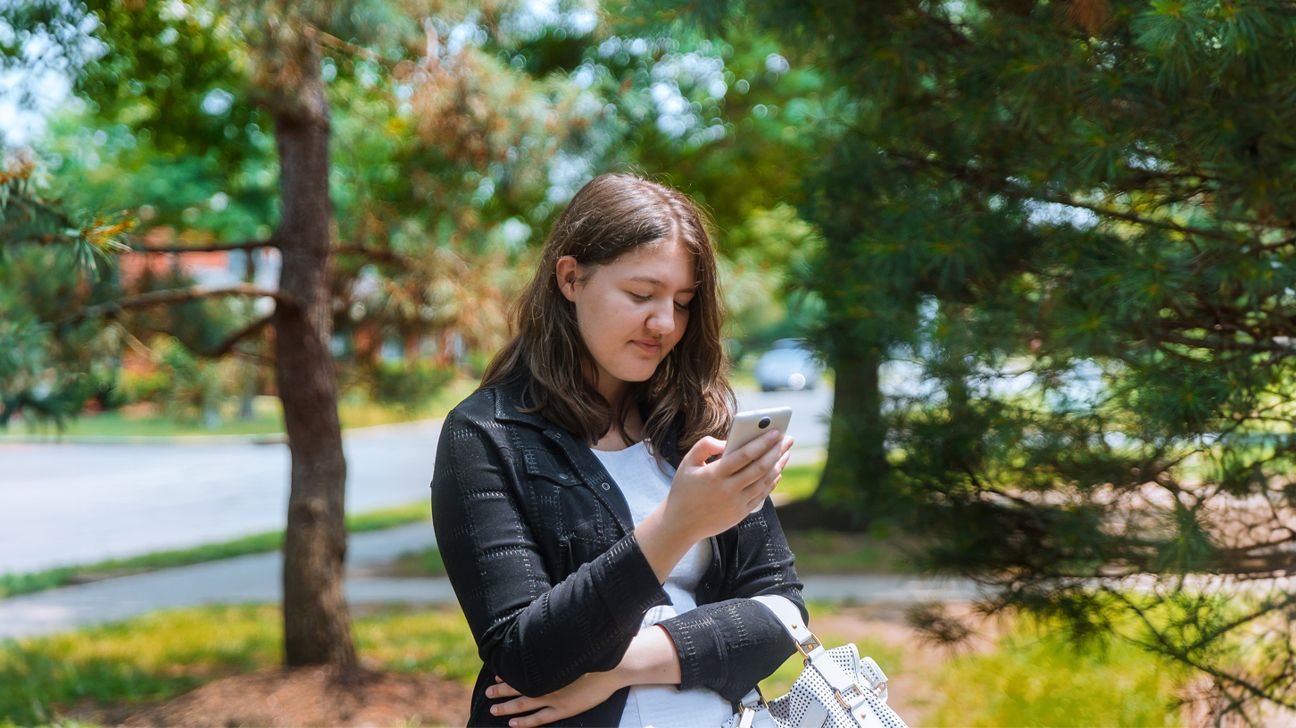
[408, 385]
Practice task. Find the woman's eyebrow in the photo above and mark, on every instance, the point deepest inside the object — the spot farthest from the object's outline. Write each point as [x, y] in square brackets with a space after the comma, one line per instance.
[656, 283]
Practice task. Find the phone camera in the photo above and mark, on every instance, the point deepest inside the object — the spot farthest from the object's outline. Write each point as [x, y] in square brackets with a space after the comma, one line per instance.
[764, 422]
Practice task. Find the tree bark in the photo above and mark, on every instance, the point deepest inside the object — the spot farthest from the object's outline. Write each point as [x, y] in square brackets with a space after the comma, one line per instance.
[316, 622]
[854, 472]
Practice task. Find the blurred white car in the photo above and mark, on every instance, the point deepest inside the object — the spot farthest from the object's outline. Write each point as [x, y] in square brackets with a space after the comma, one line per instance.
[789, 364]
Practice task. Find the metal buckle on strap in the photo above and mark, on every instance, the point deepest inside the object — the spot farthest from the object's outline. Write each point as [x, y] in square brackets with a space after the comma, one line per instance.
[861, 690]
[811, 644]
[877, 690]
[841, 700]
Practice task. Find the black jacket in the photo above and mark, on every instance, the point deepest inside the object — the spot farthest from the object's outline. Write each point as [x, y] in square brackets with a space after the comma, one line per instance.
[538, 543]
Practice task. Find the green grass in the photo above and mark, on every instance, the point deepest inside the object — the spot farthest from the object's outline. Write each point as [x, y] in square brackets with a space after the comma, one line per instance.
[354, 409]
[14, 584]
[1036, 677]
[1031, 676]
[425, 563]
[831, 552]
[162, 655]
[799, 481]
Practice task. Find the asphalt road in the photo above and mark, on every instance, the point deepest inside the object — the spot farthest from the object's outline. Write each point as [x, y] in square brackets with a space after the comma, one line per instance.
[75, 503]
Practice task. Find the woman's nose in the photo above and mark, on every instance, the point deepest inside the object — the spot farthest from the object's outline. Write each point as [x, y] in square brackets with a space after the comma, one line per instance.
[661, 320]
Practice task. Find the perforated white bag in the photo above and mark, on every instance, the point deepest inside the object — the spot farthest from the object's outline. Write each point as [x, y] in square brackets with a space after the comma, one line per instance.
[836, 689]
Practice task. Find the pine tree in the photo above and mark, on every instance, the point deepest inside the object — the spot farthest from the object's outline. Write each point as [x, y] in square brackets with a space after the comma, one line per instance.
[1075, 220]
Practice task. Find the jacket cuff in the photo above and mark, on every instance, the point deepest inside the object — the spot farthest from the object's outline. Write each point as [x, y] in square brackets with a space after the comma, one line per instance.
[622, 575]
[696, 635]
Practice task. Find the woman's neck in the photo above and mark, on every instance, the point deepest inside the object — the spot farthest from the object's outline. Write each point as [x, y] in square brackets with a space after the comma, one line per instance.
[615, 439]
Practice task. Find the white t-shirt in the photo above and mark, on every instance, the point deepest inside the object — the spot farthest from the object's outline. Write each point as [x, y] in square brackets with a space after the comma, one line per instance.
[645, 486]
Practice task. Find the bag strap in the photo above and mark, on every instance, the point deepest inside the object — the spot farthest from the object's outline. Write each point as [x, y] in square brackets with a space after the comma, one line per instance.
[813, 650]
[789, 616]
[817, 659]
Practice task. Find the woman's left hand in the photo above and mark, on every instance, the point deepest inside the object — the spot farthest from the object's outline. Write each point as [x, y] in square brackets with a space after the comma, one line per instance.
[586, 692]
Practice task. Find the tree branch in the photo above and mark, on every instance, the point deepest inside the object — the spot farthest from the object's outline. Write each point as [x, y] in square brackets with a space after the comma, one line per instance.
[382, 255]
[35, 206]
[325, 38]
[175, 295]
[228, 344]
[213, 248]
[994, 183]
[1164, 646]
[1217, 344]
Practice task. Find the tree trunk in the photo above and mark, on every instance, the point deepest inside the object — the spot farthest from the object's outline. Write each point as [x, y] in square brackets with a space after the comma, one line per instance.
[854, 473]
[316, 624]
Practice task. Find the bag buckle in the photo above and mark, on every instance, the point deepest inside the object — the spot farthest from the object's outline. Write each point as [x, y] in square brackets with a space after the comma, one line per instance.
[811, 644]
[748, 716]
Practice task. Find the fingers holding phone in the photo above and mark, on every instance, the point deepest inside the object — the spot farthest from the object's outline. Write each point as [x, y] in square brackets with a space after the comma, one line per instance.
[753, 455]
[718, 483]
[766, 472]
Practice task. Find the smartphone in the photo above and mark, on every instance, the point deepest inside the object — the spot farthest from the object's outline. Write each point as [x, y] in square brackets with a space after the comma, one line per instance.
[749, 425]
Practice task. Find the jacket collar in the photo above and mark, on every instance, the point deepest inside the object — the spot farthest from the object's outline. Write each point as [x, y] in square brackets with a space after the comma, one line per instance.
[511, 402]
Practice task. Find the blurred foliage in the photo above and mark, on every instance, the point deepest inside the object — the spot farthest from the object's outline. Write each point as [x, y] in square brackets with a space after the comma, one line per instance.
[1068, 222]
[458, 133]
[51, 364]
[409, 385]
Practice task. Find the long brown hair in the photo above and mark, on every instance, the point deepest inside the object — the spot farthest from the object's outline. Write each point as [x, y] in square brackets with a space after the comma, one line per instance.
[610, 216]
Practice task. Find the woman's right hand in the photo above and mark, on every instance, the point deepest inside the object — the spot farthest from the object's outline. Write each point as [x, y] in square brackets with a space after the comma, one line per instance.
[707, 498]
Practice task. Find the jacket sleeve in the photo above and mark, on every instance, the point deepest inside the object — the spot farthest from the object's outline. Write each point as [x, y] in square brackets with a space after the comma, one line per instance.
[536, 635]
[731, 645]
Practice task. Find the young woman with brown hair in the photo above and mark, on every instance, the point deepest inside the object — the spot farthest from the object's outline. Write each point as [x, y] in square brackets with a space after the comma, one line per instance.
[603, 552]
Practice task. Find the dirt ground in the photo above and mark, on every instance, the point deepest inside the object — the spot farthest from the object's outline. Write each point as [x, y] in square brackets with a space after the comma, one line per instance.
[303, 697]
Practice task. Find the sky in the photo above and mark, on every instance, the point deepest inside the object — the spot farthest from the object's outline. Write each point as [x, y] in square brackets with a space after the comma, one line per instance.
[20, 125]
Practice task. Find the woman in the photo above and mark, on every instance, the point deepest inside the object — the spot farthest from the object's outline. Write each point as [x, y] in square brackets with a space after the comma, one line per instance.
[602, 551]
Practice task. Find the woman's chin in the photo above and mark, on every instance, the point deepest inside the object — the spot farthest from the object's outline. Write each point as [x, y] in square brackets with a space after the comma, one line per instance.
[638, 374]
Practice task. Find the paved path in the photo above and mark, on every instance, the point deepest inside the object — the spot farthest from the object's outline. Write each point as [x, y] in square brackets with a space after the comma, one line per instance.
[256, 579]
[82, 502]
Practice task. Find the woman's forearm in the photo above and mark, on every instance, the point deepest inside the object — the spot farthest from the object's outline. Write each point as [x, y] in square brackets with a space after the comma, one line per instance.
[650, 660]
[663, 542]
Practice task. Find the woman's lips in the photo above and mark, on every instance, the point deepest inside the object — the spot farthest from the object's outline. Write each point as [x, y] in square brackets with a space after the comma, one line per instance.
[648, 347]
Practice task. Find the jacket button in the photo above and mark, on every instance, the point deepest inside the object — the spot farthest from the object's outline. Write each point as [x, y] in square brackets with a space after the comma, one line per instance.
[605, 486]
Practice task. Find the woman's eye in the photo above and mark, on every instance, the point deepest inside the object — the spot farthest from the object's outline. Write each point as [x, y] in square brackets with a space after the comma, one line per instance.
[638, 297]
[681, 306]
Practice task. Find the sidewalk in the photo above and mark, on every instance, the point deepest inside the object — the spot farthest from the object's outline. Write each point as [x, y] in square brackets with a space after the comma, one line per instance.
[256, 579]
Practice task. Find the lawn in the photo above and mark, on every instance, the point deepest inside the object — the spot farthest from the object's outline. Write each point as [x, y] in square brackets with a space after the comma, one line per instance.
[1026, 677]
[354, 409]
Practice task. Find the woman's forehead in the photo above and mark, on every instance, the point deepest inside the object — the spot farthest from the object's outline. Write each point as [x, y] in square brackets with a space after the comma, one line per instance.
[665, 263]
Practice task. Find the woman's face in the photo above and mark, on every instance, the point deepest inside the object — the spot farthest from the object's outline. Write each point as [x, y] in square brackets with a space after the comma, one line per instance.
[630, 312]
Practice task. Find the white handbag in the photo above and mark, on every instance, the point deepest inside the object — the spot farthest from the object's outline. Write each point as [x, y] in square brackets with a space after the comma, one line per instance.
[836, 689]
